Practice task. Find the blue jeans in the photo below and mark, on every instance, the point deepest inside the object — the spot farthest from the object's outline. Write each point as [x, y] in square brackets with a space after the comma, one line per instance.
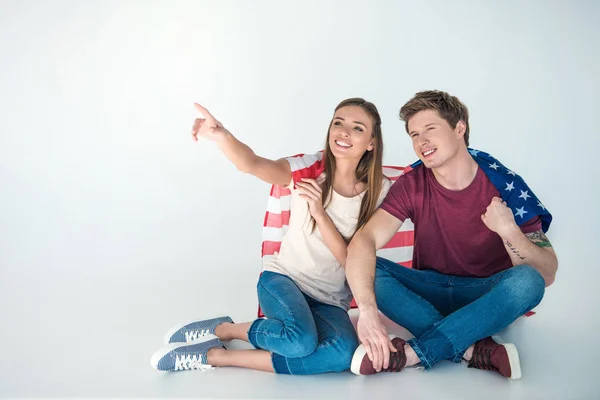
[304, 335]
[447, 313]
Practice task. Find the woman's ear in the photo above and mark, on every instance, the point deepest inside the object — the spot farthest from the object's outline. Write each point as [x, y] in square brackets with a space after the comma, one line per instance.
[371, 145]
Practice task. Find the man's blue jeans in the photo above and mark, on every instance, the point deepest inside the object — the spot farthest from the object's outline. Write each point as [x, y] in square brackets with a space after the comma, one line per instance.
[447, 313]
[304, 335]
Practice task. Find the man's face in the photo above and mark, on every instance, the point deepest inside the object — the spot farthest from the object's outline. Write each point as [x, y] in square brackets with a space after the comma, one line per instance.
[434, 140]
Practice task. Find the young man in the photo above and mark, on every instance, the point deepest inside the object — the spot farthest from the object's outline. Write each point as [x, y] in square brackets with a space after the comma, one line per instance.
[481, 258]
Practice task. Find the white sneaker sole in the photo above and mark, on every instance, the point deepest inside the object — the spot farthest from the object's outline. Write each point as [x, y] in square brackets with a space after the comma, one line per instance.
[359, 355]
[513, 357]
[357, 358]
[159, 354]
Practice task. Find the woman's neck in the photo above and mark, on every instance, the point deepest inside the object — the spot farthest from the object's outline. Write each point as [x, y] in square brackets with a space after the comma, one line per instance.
[344, 179]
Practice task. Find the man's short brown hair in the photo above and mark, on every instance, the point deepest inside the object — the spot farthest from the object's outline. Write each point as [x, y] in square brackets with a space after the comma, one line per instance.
[449, 107]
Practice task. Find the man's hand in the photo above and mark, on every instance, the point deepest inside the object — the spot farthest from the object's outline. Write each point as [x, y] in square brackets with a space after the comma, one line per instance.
[374, 337]
[499, 218]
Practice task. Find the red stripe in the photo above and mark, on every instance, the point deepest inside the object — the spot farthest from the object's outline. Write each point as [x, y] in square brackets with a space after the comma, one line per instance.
[312, 171]
[401, 239]
[269, 247]
[279, 191]
[273, 220]
[394, 167]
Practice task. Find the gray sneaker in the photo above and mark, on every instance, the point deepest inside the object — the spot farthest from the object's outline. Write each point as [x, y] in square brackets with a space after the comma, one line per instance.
[191, 331]
[180, 357]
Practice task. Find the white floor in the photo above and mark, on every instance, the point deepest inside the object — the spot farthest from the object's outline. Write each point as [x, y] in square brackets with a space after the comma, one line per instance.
[69, 337]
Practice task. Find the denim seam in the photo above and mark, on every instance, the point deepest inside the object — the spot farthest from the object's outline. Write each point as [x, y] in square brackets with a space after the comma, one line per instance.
[494, 279]
[414, 343]
[273, 364]
[437, 328]
[299, 360]
[412, 278]
[331, 341]
[252, 333]
[459, 356]
[451, 295]
[279, 300]
[255, 332]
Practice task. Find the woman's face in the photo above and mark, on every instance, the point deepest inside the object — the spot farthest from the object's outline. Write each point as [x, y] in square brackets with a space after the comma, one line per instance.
[351, 133]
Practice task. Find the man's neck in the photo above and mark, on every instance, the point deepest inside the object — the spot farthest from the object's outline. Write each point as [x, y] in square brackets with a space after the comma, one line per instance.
[458, 172]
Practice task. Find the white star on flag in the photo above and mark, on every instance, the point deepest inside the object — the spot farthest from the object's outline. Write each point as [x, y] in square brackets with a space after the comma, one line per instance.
[510, 172]
[521, 211]
[494, 166]
[510, 186]
[474, 152]
[524, 195]
[541, 205]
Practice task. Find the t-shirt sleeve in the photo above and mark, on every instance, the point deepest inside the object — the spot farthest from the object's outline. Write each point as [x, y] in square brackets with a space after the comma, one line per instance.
[532, 225]
[397, 202]
[305, 166]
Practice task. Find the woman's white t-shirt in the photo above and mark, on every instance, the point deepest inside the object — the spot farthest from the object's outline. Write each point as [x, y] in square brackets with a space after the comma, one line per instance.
[304, 255]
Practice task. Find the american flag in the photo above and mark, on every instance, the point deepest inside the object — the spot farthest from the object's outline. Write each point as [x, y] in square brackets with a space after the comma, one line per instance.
[513, 189]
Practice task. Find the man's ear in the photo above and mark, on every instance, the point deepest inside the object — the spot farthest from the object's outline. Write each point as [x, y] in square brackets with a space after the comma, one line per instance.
[460, 129]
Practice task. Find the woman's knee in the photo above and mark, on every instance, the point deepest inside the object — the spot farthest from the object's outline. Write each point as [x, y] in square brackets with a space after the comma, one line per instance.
[301, 342]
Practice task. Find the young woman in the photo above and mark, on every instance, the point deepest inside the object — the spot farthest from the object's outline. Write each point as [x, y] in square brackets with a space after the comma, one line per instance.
[302, 291]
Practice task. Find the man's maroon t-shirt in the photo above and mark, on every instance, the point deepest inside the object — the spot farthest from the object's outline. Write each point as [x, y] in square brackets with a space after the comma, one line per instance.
[450, 236]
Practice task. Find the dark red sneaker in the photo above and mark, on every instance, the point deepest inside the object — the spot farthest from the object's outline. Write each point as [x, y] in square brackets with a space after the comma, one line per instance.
[493, 354]
[361, 365]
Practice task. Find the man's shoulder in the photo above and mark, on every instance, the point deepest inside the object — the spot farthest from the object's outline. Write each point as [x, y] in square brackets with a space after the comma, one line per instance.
[411, 175]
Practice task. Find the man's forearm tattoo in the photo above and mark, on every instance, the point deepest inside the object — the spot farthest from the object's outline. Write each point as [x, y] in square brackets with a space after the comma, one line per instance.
[513, 249]
[539, 239]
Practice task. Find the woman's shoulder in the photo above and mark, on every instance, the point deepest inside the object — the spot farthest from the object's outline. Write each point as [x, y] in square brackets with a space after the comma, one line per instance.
[386, 184]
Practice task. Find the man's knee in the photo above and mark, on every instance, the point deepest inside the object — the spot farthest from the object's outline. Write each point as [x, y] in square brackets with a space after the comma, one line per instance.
[524, 285]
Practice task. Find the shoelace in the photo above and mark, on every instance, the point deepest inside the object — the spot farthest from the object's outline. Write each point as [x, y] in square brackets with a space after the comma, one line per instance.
[482, 359]
[190, 361]
[193, 335]
[397, 362]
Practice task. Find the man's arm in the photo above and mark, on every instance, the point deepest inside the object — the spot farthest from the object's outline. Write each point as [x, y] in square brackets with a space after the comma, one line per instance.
[360, 262]
[533, 249]
[360, 271]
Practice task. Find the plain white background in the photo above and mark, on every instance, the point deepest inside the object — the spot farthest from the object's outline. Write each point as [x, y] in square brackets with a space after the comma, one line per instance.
[114, 224]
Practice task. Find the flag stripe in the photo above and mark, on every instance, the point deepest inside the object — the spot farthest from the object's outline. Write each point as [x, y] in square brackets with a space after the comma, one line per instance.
[401, 239]
[274, 234]
[270, 247]
[397, 254]
[274, 220]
